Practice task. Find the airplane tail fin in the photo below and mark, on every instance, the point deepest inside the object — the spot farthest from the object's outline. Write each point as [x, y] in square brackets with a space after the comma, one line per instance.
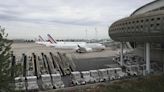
[40, 38]
[78, 45]
[51, 39]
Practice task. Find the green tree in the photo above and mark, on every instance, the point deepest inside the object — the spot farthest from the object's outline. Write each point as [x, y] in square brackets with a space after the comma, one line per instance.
[6, 68]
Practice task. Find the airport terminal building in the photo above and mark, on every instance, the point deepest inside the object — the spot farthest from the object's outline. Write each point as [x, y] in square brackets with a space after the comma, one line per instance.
[143, 30]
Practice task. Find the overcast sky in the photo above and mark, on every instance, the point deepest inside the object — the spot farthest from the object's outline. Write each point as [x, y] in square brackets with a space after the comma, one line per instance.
[63, 18]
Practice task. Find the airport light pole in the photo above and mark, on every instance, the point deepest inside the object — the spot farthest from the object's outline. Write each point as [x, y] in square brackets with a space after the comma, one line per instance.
[96, 34]
[86, 34]
[148, 58]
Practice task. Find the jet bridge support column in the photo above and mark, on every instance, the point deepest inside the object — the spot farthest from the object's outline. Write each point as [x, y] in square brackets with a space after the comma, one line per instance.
[148, 58]
[35, 65]
[24, 65]
[25, 70]
[121, 54]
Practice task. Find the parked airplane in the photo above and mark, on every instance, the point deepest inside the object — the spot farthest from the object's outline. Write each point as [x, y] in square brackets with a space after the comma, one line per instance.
[78, 46]
[64, 45]
[41, 41]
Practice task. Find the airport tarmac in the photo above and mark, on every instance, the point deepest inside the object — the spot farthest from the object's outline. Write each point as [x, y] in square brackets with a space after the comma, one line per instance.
[29, 48]
[83, 61]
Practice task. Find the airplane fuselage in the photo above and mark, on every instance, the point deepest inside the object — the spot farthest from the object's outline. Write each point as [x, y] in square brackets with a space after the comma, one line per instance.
[67, 45]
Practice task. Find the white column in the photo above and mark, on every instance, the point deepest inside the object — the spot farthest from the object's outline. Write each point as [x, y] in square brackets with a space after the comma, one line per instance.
[148, 58]
[121, 54]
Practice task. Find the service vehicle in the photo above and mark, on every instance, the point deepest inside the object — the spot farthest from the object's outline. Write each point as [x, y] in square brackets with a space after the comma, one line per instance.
[46, 80]
[20, 83]
[87, 77]
[57, 82]
[132, 70]
[119, 73]
[111, 73]
[103, 74]
[95, 76]
[77, 79]
[32, 83]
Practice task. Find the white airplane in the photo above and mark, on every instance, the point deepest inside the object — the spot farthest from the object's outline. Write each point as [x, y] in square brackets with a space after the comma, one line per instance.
[64, 45]
[41, 41]
[78, 46]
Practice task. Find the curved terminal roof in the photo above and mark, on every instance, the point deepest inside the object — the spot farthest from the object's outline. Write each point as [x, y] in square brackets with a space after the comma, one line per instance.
[149, 7]
[146, 24]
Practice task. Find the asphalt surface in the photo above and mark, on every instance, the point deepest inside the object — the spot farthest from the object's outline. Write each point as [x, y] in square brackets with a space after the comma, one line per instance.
[93, 63]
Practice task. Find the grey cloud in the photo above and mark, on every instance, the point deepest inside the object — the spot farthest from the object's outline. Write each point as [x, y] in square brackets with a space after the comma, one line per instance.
[102, 7]
[64, 13]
